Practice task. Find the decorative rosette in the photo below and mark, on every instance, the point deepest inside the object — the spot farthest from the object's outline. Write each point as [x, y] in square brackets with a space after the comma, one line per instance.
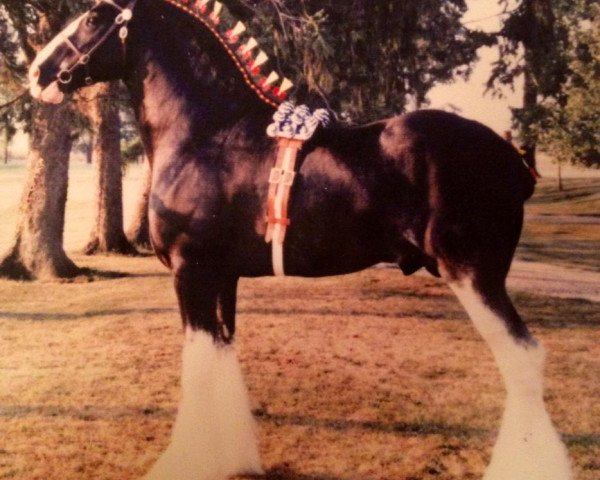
[297, 122]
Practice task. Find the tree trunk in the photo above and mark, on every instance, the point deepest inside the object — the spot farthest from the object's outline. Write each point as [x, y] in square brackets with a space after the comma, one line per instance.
[88, 153]
[38, 247]
[107, 234]
[559, 179]
[138, 232]
[530, 101]
[6, 143]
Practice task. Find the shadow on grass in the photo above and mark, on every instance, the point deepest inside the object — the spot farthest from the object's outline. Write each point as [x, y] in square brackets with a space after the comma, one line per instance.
[557, 313]
[92, 274]
[578, 253]
[452, 313]
[403, 428]
[284, 472]
[582, 440]
[38, 317]
[86, 413]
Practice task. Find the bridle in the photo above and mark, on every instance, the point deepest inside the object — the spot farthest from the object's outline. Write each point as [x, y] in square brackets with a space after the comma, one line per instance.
[65, 76]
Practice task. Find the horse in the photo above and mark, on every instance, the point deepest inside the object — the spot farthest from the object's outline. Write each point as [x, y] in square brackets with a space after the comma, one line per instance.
[428, 189]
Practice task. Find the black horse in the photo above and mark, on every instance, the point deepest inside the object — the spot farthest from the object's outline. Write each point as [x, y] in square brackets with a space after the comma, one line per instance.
[428, 189]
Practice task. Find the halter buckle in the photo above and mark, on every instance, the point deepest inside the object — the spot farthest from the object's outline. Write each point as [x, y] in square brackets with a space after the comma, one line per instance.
[123, 17]
[64, 76]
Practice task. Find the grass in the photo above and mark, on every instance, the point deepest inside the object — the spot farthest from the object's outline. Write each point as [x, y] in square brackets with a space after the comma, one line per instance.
[555, 231]
[580, 196]
[367, 376]
[345, 384]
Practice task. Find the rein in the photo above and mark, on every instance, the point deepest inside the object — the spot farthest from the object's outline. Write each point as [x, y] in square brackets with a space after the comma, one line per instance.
[65, 76]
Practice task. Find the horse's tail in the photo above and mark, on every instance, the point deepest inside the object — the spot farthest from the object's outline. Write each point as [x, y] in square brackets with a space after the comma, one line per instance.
[529, 185]
[528, 178]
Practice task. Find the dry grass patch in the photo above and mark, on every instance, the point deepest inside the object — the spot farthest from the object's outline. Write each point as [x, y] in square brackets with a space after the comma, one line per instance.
[364, 377]
[368, 376]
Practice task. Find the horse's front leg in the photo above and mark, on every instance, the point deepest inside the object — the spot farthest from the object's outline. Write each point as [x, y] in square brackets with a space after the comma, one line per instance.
[214, 432]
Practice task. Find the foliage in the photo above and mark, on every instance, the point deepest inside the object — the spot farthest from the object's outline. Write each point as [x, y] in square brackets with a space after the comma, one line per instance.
[573, 131]
[24, 27]
[132, 150]
[11, 73]
[532, 38]
[552, 44]
[368, 58]
[365, 58]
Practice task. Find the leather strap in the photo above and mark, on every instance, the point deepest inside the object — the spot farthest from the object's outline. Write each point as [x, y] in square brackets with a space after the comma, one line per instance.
[281, 180]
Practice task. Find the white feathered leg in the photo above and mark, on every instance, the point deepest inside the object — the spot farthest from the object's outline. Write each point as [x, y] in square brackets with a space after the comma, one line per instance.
[528, 446]
[214, 434]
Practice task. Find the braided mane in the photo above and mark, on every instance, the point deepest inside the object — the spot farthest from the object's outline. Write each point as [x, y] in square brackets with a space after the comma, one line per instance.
[271, 88]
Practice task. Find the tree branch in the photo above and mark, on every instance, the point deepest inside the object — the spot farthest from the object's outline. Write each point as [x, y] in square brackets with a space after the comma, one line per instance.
[14, 100]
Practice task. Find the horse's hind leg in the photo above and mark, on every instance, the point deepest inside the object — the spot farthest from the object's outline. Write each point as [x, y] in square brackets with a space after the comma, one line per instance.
[528, 447]
[214, 432]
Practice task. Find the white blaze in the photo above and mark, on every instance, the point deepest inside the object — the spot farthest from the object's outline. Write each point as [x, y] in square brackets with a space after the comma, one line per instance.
[50, 93]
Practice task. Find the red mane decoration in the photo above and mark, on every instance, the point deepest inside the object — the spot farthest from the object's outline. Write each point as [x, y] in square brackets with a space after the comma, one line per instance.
[247, 56]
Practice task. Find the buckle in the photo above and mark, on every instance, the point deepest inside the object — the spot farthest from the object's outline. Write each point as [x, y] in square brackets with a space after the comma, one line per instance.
[64, 76]
[282, 177]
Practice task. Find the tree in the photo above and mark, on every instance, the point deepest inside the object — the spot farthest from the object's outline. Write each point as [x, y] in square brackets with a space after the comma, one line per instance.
[368, 58]
[132, 149]
[138, 232]
[541, 40]
[11, 72]
[38, 251]
[573, 132]
[531, 44]
[99, 103]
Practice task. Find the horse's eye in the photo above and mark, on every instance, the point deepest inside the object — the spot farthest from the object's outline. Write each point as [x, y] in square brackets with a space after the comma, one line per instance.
[92, 19]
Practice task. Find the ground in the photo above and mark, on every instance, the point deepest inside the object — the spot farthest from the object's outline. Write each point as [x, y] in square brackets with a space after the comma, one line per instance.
[369, 376]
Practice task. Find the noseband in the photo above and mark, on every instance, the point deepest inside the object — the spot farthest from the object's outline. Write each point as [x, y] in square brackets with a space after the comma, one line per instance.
[65, 76]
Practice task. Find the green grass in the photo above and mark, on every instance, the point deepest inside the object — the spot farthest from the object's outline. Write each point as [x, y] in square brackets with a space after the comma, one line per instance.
[580, 196]
[569, 242]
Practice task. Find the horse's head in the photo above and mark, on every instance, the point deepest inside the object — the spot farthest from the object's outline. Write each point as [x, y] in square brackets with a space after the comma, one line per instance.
[90, 49]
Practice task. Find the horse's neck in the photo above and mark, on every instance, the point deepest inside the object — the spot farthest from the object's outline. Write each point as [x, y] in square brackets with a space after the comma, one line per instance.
[184, 93]
[161, 111]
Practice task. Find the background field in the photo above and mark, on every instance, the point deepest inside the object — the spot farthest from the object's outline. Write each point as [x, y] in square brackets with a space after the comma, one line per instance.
[368, 376]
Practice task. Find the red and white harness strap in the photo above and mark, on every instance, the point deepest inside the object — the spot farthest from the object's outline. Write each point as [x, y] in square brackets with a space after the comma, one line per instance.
[281, 180]
[292, 127]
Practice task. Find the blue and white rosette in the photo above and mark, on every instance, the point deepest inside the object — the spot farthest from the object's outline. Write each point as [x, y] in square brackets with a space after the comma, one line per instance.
[297, 122]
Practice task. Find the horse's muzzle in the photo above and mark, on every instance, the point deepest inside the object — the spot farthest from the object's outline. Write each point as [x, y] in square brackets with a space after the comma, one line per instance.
[48, 94]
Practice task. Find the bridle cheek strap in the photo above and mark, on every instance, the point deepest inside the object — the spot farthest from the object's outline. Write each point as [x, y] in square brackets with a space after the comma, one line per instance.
[65, 76]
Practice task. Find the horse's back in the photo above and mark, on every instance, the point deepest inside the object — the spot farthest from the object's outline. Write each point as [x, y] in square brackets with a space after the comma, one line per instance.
[460, 150]
[433, 180]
